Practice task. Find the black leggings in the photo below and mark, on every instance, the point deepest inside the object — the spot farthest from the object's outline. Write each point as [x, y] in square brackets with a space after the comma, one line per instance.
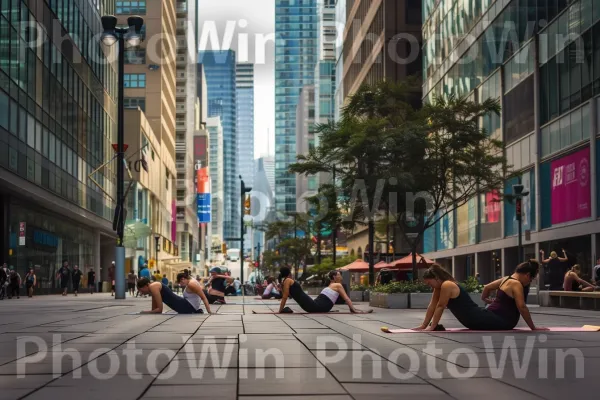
[212, 298]
[322, 304]
[177, 303]
[76, 286]
[13, 290]
[480, 319]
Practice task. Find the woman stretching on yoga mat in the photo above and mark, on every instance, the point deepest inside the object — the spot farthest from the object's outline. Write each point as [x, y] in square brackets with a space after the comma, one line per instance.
[160, 293]
[573, 283]
[503, 312]
[218, 284]
[271, 291]
[323, 303]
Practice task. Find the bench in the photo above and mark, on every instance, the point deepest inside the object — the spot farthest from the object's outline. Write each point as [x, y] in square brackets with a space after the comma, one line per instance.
[579, 300]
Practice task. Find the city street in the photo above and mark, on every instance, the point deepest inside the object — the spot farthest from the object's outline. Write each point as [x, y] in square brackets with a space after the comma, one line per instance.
[93, 347]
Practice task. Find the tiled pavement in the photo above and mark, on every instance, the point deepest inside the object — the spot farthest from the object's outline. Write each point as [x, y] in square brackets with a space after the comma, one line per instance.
[92, 347]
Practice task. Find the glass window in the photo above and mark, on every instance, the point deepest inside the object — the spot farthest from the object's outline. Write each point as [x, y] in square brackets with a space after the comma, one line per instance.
[545, 141]
[30, 131]
[554, 137]
[134, 80]
[585, 122]
[51, 147]
[137, 56]
[4, 106]
[130, 7]
[565, 131]
[38, 137]
[576, 126]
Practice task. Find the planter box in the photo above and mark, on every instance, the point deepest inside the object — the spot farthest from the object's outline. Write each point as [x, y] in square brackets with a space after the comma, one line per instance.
[356, 296]
[420, 300]
[366, 295]
[393, 301]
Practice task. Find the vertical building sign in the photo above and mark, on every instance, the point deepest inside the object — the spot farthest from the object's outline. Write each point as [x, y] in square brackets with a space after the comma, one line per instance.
[22, 233]
[203, 195]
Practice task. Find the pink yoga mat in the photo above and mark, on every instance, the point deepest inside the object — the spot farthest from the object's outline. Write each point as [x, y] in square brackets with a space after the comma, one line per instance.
[586, 328]
[302, 312]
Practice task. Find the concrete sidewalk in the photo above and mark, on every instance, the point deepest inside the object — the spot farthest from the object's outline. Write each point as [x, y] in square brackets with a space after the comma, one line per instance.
[91, 347]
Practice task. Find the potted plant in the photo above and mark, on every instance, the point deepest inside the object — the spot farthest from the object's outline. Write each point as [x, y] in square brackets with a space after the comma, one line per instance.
[393, 295]
[474, 288]
[420, 295]
[358, 293]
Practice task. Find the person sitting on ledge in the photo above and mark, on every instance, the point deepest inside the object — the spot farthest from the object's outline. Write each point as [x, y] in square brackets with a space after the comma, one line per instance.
[323, 303]
[573, 283]
[503, 312]
[160, 293]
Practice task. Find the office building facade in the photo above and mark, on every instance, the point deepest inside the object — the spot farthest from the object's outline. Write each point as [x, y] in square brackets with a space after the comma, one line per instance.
[306, 118]
[216, 167]
[185, 122]
[546, 75]
[57, 124]
[220, 71]
[296, 49]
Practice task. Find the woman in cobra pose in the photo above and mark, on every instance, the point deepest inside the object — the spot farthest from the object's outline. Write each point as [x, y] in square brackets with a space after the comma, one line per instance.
[503, 312]
[323, 303]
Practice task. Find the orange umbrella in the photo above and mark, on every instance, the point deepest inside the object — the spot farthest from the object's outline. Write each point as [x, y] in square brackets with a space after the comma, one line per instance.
[356, 266]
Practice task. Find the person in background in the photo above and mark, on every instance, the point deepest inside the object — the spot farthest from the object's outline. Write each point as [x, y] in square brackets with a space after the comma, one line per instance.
[63, 274]
[3, 280]
[596, 273]
[478, 277]
[77, 274]
[111, 278]
[237, 284]
[556, 268]
[15, 283]
[131, 281]
[573, 283]
[157, 276]
[144, 273]
[30, 281]
[164, 280]
[91, 280]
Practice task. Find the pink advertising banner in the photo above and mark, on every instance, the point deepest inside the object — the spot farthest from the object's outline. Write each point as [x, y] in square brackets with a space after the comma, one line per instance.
[571, 192]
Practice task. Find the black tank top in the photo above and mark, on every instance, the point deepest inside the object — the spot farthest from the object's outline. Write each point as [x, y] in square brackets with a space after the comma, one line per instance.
[219, 284]
[505, 306]
[295, 288]
[463, 307]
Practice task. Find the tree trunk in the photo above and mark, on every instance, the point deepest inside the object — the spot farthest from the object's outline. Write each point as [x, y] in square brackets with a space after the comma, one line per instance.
[415, 269]
[371, 257]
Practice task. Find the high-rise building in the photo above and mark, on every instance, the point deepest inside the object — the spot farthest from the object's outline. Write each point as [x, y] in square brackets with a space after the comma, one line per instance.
[306, 186]
[545, 74]
[296, 31]
[216, 167]
[220, 69]
[372, 49]
[150, 85]
[245, 132]
[340, 19]
[263, 207]
[185, 119]
[245, 121]
[57, 123]
[267, 164]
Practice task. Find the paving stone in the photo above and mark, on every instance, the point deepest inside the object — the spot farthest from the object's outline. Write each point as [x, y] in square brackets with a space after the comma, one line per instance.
[312, 397]
[480, 388]
[373, 372]
[361, 391]
[207, 360]
[197, 376]
[254, 360]
[217, 392]
[292, 381]
[31, 382]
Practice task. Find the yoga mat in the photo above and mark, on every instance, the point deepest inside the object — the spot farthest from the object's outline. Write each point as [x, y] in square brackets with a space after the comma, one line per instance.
[302, 312]
[585, 328]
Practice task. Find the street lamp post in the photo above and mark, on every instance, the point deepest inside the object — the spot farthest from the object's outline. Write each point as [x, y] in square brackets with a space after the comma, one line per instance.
[519, 194]
[132, 36]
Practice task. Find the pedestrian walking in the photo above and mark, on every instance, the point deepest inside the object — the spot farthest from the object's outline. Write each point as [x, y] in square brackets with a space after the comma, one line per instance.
[14, 283]
[77, 274]
[30, 281]
[3, 281]
[63, 274]
[111, 278]
[91, 280]
[131, 281]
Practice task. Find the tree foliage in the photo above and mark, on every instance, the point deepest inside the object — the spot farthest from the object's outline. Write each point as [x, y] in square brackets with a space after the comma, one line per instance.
[414, 165]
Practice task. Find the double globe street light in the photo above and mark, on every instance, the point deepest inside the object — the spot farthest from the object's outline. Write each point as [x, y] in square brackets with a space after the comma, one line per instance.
[132, 37]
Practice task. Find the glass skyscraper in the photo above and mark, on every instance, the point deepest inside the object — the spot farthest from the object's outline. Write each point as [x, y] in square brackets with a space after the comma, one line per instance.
[220, 71]
[296, 45]
[245, 121]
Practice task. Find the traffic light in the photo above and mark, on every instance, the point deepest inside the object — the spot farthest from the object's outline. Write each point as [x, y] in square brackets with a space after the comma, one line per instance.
[224, 248]
[247, 206]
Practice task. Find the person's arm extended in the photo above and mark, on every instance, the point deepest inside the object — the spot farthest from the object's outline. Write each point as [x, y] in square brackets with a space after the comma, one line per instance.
[34, 279]
[157, 304]
[445, 292]
[517, 292]
[285, 295]
[565, 258]
[485, 295]
[430, 310]
[582, 282]
[197, 288]
[340, 289]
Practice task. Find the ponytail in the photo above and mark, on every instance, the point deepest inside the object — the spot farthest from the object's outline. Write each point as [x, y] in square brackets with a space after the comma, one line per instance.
[531, 267]
[330, 276]
[438, 273]
[183, 275]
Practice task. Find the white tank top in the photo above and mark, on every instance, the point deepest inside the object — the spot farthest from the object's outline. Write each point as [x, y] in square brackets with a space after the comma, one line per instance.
[192, 298]
[331, 294]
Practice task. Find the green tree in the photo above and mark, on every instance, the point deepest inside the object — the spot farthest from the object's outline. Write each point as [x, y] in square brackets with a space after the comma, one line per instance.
[411, 165]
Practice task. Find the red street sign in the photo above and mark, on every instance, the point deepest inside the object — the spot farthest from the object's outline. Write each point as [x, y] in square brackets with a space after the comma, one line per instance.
[115, 147]
[518, 209]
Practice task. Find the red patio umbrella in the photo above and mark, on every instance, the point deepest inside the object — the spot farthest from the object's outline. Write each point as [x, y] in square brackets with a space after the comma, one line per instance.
[405, 262]
[356, 266]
